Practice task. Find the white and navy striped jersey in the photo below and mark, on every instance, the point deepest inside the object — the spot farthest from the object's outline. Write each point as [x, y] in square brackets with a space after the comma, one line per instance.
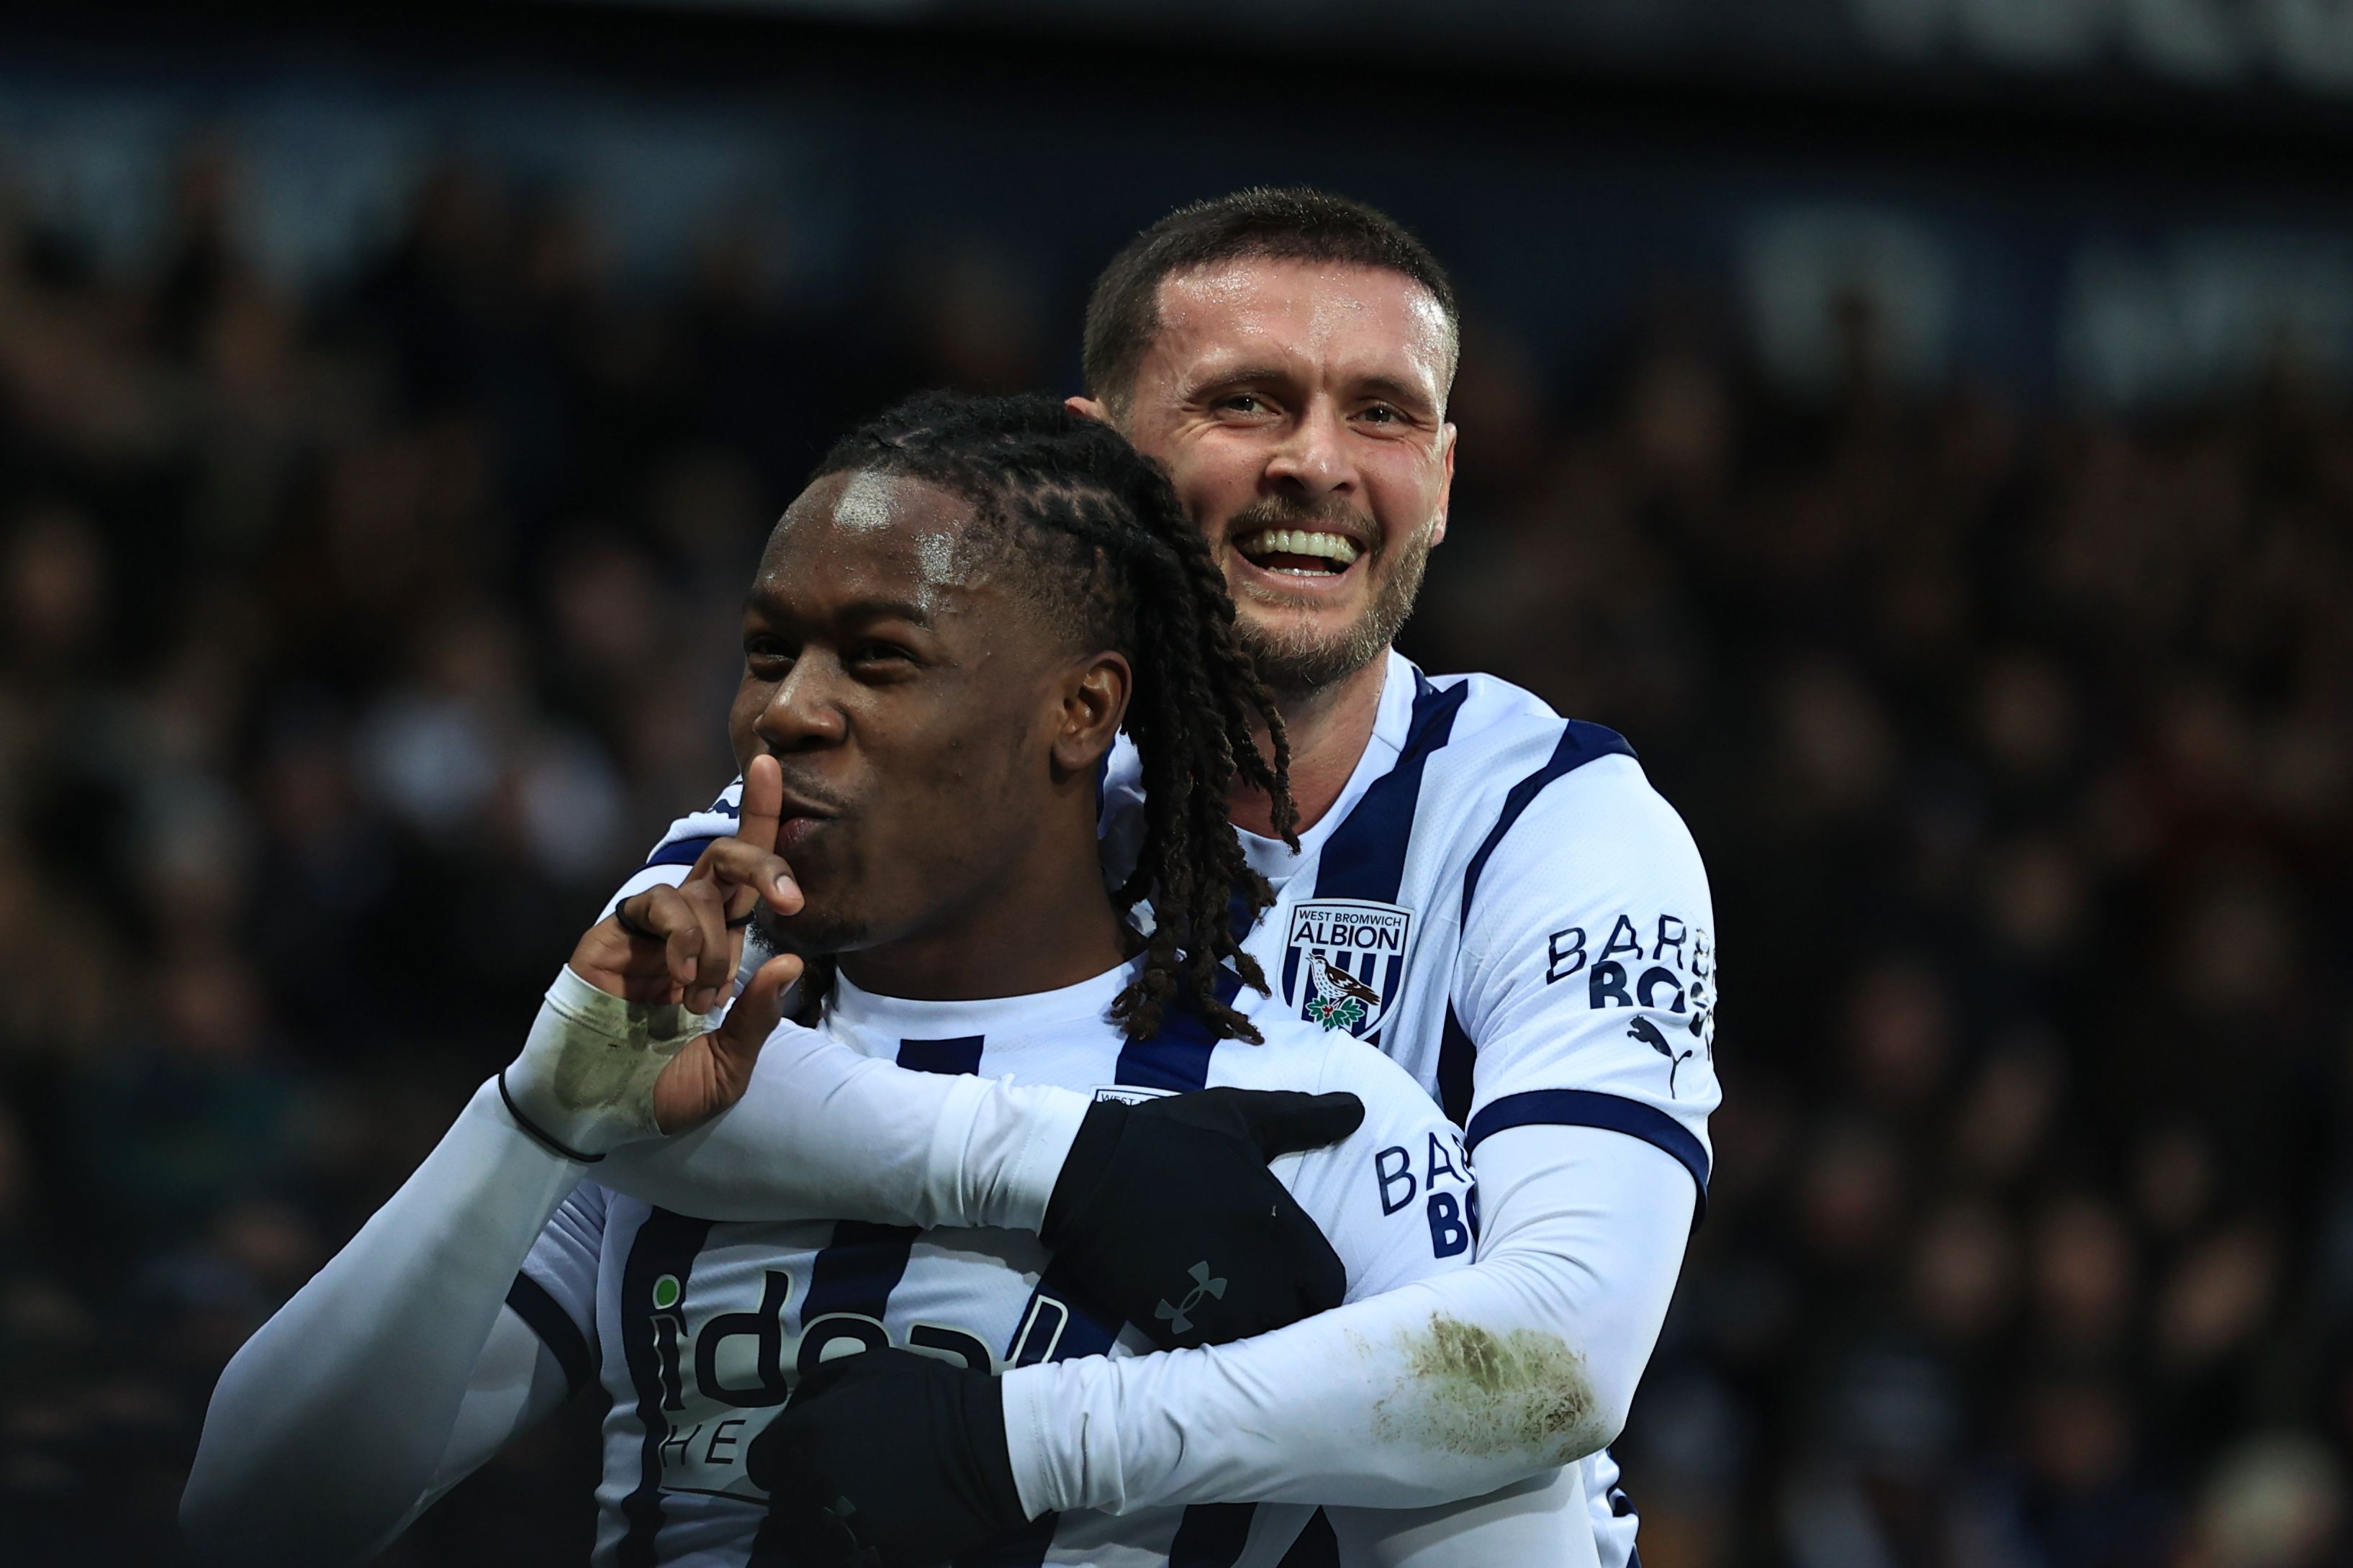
[697, 1330]
[1498, 901]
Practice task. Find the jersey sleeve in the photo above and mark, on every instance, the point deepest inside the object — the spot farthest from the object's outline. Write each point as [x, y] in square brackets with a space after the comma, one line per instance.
[1586, 983]
[554, 1291]
[1395, 1198]
[682, 846]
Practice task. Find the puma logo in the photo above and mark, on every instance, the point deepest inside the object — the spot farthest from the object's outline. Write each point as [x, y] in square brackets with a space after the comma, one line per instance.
[1643, 1030]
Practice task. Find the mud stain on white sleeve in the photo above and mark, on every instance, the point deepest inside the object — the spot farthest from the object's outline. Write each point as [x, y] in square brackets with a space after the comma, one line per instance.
[1473, 1392]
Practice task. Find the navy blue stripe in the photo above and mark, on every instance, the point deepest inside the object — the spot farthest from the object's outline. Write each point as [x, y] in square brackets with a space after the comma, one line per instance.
[547, 1318]
[1364, 857]
[665, 1244]
[681, 851]
[1584, 1108]
[1458, 1058]
[1579, 744]
[1317, 1547]
[1177, 1058]
[864, 1262]
[1211, 1535]
[1241, 919]
[857, 1270]
[956, 1058]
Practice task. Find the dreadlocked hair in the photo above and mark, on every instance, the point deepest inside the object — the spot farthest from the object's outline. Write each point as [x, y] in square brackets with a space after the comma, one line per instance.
[1094, 535]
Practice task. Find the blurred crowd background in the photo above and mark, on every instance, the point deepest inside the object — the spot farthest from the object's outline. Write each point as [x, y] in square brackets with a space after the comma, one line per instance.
[368, 574]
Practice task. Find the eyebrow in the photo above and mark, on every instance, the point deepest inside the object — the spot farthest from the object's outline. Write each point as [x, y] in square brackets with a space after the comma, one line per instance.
[1386, 387]
[1221, 379]
[757, 603]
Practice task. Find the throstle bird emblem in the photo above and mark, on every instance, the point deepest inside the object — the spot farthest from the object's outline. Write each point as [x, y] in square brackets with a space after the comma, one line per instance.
[1338, 999]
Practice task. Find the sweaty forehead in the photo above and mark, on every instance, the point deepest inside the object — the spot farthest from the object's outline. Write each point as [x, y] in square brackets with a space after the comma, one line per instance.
[1344, 319]
[880, 534]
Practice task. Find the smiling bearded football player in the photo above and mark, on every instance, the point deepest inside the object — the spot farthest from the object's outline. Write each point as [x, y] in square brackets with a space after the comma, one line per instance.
[1530, 918]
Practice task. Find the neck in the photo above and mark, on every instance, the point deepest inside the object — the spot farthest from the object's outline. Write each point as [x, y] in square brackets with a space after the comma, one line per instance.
[1328, 729]
[1040, 924]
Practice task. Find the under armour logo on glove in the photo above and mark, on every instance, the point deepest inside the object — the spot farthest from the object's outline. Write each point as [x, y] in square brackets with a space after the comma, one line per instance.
[1178, 1317]
[860, 1550]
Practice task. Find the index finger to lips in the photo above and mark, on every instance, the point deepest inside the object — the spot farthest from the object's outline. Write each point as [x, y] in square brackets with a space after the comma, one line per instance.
[750, 874]
[764, 803]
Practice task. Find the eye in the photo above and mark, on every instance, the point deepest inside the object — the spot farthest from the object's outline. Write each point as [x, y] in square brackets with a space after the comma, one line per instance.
[874, 650]
[764, 654]
[1383, 414]
[1242, 403]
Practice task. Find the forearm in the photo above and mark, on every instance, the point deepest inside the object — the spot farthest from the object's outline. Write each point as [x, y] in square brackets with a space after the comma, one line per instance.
[1542, 1520]
[330, 1425]
[1446, 1389]
[824, 1133]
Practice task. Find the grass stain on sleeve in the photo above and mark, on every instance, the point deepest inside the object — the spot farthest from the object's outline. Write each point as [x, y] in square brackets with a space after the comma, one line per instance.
[1471, 1391]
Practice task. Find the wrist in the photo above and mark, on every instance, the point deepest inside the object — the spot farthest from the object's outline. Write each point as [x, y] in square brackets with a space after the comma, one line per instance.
[1046, 1457]
[1049, 1120]
[584, 1084]
[1079, 1175]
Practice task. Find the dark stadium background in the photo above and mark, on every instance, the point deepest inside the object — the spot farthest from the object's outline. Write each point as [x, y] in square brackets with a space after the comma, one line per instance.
[1921, 426]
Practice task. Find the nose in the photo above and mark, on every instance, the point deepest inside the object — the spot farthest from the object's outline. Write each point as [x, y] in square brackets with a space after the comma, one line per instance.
[802, 714]
[1312, 460]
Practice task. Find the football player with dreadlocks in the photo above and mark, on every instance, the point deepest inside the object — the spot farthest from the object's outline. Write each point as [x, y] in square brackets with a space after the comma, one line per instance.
[1493, 895]
[947, 633]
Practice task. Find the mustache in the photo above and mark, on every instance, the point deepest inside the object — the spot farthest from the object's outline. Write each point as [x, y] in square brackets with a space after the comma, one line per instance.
[801, 793]
[1329, 515]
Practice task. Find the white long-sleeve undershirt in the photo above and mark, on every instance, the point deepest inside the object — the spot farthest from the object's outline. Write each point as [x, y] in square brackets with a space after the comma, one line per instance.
[1448, 1388]
[824, 1133]
[330, 1428]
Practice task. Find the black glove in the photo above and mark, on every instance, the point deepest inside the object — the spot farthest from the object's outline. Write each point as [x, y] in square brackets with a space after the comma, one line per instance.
[887, 1458]
[1165, 1212]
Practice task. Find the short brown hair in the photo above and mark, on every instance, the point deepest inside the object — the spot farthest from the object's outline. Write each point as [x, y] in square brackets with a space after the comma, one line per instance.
[1295, 223]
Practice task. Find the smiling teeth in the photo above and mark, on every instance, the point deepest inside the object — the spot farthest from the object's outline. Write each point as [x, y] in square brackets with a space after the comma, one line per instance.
[1299, 542]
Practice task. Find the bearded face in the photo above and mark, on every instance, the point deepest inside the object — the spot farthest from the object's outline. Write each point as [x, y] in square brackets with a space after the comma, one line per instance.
[1299, 408]
[1290, 634]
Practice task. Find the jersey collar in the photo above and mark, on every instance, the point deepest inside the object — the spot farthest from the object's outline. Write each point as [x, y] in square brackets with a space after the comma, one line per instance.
[882, 1022]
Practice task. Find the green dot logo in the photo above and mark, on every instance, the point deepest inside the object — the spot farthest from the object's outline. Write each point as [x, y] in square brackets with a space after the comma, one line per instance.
[666, 1292]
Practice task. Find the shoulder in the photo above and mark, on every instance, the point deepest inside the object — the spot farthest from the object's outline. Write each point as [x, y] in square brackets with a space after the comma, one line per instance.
[1504, 747]
[1600, 825]
[1607, 807]
[1529, 791]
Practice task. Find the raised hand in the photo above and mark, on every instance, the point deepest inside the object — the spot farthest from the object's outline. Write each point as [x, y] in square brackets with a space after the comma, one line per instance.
[681, 946]
[624, 1048]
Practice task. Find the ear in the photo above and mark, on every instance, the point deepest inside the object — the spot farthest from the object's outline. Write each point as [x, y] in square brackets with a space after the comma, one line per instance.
[1093, 695]
[1088, 408]
[1445, 486]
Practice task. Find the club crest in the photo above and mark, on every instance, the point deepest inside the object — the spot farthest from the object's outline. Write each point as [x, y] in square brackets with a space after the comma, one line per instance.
[1343, 959]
